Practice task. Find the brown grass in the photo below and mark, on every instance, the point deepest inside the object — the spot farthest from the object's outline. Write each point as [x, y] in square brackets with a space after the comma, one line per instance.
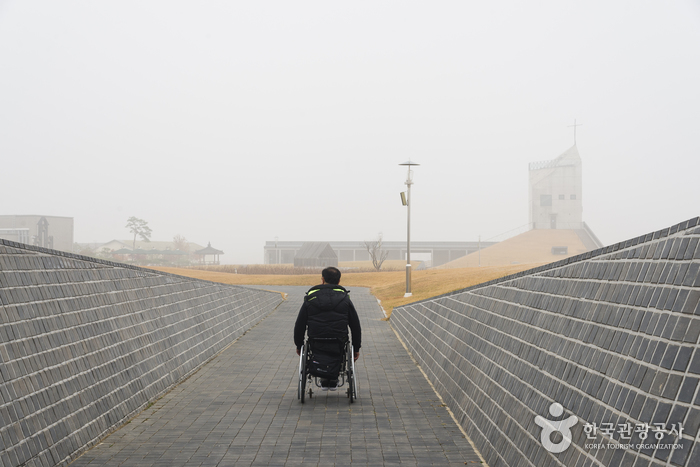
[258, 269]
[290, 269]
[389, 287]
[534, 246]
[388, 265]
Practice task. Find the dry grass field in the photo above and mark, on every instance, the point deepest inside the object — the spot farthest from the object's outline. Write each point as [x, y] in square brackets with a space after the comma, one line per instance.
[389, 287]
[388, 265]
[289, 269]
[534, 246]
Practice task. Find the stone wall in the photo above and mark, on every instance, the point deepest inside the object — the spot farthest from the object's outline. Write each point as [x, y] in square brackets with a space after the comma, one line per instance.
[85, 344]
[611, 335]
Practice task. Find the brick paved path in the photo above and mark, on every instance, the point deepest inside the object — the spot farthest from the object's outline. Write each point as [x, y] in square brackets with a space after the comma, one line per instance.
[242, 408]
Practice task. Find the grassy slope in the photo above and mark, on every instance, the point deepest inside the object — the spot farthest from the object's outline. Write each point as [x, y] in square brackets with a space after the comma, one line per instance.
[534, 246]
[389, 287]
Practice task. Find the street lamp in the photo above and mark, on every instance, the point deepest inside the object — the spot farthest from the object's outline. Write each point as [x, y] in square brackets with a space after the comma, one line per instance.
[407, 202]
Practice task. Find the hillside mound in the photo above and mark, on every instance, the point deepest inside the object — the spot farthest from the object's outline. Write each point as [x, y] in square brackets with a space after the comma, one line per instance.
[534, 246]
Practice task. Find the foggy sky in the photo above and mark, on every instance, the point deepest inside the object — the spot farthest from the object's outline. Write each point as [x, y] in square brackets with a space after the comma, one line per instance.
[239, 122]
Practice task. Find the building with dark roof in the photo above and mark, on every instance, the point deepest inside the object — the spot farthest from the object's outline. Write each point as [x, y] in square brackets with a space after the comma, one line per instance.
[315, 254]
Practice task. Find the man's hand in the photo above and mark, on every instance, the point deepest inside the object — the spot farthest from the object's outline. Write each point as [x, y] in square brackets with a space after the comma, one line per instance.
[299, 352]
[357, 355]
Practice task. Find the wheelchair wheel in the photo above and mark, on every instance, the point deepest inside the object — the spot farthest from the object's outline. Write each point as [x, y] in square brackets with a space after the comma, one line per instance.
[302, 374]
[354, 376]
[352, 384]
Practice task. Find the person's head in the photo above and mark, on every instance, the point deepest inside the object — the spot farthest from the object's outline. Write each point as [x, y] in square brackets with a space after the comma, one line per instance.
[331, 275]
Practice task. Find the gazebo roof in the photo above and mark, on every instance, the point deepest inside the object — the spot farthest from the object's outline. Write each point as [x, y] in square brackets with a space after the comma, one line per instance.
[209, 251]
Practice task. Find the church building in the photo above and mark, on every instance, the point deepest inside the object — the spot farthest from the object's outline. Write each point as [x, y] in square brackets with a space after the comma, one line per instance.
[555, 192]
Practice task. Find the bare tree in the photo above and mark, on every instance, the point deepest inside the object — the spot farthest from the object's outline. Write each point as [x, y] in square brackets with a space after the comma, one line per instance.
[138, 227]
[378, 255]
[181, 243]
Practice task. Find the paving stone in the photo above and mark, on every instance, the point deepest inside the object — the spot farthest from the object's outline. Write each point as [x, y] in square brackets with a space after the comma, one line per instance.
[245, 401]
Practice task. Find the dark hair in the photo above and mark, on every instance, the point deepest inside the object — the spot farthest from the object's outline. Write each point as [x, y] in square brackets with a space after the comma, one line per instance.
[331, 275]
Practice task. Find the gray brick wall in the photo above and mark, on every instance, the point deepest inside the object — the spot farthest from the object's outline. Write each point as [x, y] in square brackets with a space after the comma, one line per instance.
[611, 335]
[85, 344]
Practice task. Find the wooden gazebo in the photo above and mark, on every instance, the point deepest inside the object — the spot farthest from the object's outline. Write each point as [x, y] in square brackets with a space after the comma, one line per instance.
[209, 251]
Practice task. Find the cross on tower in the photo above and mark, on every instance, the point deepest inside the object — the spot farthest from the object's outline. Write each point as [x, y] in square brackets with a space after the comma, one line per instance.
[575, 125]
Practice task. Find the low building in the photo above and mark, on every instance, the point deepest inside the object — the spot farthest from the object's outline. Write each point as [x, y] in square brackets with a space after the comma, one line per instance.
[153, 252]
[315, 255]
[284, 252]
[53, 232]
[115, 245]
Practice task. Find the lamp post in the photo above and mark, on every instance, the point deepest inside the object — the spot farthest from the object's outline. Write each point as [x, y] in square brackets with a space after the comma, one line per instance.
[409, 182]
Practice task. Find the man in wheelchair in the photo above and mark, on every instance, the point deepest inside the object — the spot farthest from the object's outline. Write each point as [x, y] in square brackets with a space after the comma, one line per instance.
[327, 311]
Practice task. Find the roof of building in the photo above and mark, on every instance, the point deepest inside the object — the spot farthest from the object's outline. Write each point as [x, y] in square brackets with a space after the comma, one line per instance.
[209, 250]
[566, 158]
[316, 250]
[8, 216]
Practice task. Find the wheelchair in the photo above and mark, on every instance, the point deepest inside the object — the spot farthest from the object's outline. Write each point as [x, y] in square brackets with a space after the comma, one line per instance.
[319, 359]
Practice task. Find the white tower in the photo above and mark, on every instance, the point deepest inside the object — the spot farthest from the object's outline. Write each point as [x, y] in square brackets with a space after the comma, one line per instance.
[555, 192]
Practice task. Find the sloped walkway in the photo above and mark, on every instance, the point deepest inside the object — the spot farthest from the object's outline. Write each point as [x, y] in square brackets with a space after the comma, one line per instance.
[242, 409]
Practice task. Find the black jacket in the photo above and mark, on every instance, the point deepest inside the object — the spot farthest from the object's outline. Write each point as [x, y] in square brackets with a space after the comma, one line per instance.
[328, 311]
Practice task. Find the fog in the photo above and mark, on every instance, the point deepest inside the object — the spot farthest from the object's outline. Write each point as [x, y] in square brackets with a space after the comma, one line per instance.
[241, 122]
